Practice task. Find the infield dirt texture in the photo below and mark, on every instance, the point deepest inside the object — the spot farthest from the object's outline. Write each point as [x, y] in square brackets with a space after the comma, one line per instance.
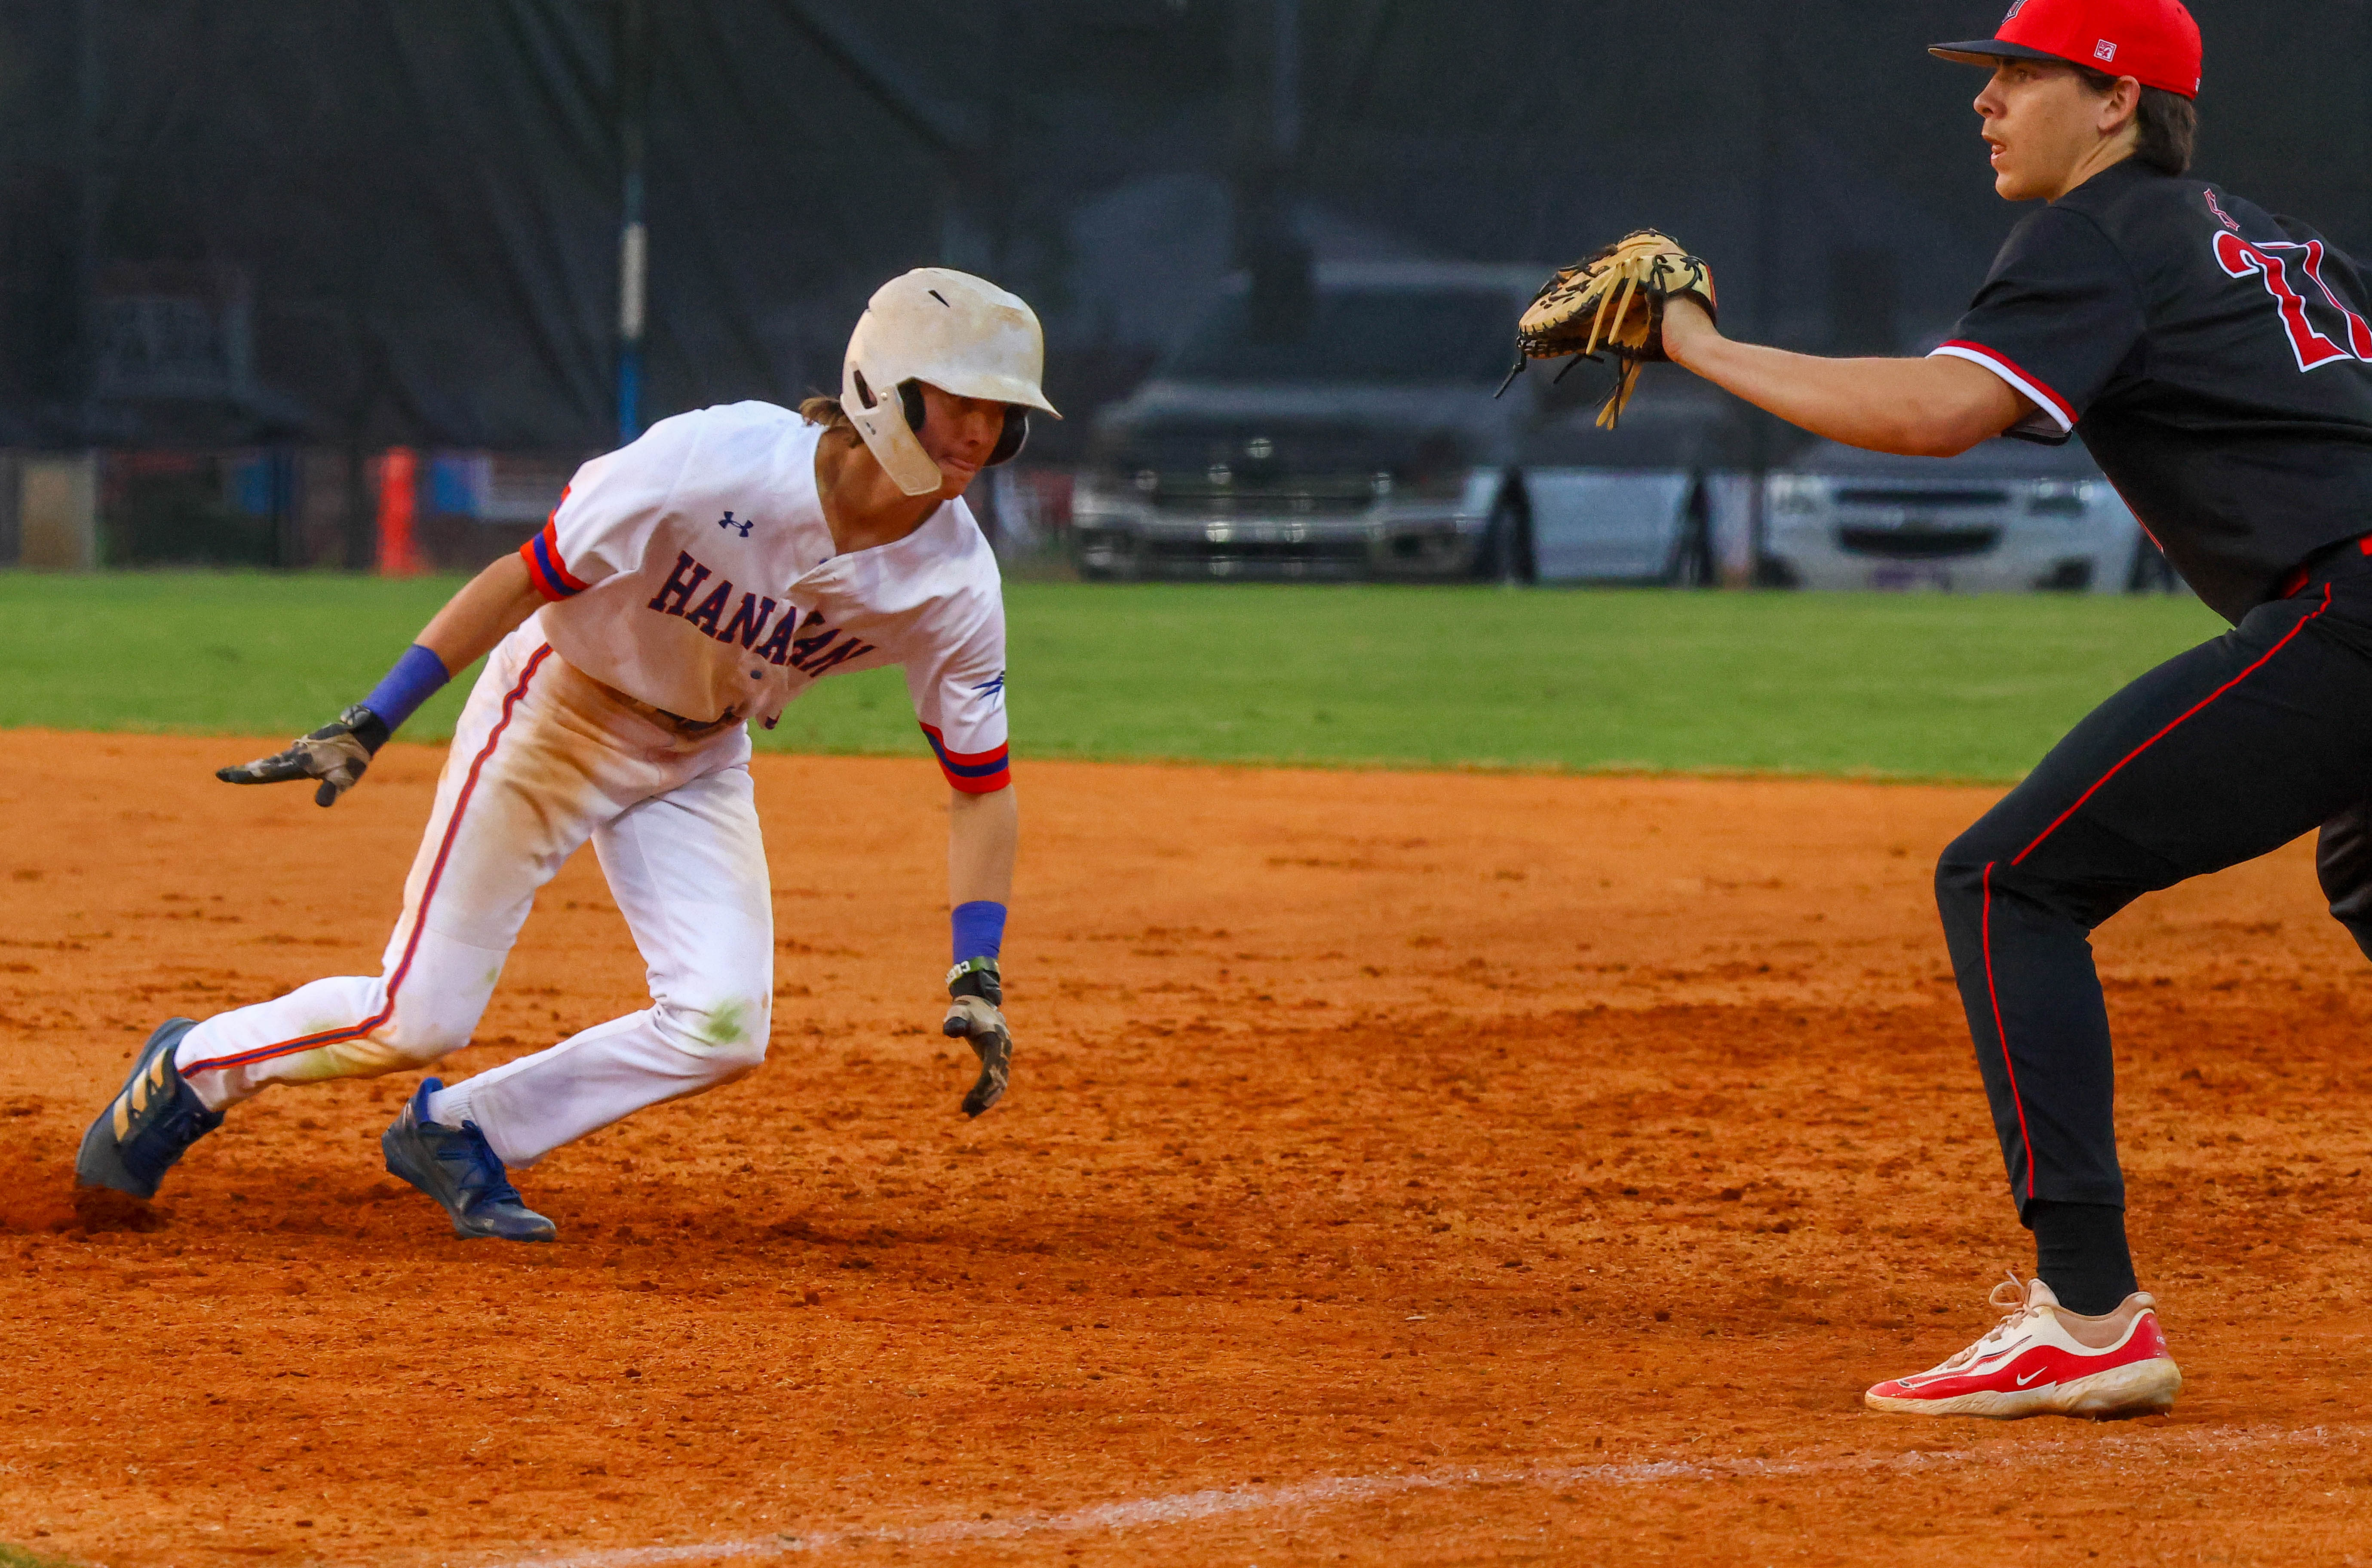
[1399, 1168]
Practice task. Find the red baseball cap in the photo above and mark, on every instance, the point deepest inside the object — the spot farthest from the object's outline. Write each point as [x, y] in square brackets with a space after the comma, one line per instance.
[2153, 41]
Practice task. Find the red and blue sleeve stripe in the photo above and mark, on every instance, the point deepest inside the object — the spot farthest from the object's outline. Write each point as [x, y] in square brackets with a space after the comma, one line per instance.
[974, 772]
[545, 569]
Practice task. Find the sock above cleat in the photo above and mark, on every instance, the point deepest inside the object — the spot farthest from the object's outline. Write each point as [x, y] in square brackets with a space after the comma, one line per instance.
[2080, 1252]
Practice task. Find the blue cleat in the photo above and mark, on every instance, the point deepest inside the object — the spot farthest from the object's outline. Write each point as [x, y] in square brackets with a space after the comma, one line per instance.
[455, 1166]
[149, 1125]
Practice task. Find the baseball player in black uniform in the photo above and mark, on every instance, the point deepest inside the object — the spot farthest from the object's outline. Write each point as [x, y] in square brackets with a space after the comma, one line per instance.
[2216, 362]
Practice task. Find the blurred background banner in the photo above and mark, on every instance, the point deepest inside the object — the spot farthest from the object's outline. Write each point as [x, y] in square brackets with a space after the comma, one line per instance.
[499, 230]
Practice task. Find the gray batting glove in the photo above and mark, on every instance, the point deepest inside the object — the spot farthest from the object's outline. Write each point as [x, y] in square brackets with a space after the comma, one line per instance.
[970, 1019]
[336, 754]
[976, 1017]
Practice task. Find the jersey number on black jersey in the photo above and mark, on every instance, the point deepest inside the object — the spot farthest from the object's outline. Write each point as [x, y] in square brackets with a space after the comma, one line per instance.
[2239, 259]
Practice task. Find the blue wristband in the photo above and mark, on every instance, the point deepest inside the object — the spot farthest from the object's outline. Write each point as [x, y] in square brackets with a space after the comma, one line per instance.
[979, 929]
[414, 680]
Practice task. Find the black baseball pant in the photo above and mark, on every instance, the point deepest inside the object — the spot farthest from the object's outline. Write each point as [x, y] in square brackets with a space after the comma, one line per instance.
[2220, 755]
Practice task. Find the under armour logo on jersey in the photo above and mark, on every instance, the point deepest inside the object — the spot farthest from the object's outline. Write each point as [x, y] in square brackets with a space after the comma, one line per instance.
[729, 521]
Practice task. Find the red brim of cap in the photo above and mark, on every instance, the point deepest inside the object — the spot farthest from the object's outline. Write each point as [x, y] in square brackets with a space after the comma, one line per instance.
[1992, 51]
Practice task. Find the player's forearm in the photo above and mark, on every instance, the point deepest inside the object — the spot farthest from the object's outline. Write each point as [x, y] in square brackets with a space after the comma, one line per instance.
[486, 610]
[983, 832]
[489, 607]
[1921, 408]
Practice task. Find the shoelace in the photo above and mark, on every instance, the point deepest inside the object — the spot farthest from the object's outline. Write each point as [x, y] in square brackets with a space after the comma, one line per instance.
[485, 1179]
[179, 1121]
[2009, 1298]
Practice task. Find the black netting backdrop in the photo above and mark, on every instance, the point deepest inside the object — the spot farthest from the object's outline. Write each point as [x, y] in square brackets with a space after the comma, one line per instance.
[416, 202]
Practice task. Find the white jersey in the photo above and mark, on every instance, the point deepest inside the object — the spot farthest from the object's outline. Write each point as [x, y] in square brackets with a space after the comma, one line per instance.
[694, 571]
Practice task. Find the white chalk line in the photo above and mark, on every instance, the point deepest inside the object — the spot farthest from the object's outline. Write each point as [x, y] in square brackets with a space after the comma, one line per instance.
[1188, 1507]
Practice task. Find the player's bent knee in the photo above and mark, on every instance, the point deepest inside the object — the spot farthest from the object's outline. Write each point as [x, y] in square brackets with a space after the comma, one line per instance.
[429, 1023]
[1974, 876]
[404, 1050]
[1961, 880]
[729, 1035]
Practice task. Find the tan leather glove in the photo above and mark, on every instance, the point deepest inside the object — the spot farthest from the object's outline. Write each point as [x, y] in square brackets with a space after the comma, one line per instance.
[1614, 301]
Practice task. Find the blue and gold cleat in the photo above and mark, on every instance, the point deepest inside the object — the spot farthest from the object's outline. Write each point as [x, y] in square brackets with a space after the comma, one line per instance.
[459, 1169]
[149, 1124]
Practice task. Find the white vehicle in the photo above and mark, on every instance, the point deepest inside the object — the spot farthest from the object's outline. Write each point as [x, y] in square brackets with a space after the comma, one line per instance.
[1354, 435]
[1657, 499]
[2008, 517]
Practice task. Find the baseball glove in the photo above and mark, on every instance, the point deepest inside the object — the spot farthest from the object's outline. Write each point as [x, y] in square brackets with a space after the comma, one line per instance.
[1614, 301]
[975, 1015]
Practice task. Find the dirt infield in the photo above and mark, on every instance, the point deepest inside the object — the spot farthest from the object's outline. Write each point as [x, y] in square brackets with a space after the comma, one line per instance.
[1398, 1169]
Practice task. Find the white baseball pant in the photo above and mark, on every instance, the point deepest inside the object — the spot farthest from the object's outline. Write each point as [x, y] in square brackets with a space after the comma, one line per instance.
[543, 758]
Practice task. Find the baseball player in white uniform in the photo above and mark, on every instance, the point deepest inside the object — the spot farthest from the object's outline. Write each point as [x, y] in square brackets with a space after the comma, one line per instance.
[699, 578]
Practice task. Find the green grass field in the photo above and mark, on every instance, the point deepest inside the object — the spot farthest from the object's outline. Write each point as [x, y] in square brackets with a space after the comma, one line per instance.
[1915, 686]
[23, 1557]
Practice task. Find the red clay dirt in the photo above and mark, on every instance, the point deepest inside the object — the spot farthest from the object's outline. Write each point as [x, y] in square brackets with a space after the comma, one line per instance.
[1399, 1168]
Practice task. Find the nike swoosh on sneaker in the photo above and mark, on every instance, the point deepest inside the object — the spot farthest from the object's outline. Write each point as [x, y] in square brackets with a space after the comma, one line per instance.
[2030, 1376]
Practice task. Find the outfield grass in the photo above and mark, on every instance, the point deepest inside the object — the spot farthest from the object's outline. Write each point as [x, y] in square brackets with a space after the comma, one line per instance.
[1879, 685]
[25, 1557]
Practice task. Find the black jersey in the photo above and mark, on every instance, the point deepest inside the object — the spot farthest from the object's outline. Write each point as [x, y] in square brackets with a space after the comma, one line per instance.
[2214, 359]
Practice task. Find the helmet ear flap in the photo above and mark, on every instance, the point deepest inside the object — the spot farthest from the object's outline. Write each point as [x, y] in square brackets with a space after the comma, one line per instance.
[1016, 434]
[1009, 440]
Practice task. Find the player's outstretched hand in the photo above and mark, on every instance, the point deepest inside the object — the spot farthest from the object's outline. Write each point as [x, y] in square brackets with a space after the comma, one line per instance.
[981, 1022]
[1613, 302]
[336, 754]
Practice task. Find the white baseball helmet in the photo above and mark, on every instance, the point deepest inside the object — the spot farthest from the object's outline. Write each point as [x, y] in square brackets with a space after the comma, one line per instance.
[960, 333]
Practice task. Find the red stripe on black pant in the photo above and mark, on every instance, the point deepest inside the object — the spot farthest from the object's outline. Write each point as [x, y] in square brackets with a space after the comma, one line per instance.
[2222, 754]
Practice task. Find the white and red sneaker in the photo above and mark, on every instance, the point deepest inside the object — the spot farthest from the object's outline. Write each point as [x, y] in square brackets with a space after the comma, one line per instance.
[2044, 1360]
